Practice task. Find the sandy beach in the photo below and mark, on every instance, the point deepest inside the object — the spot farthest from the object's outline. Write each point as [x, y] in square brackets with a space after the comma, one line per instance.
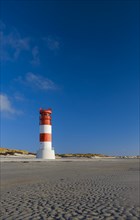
[70, 189]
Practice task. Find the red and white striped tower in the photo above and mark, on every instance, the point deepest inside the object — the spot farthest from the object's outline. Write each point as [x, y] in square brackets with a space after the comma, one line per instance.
[46, 151]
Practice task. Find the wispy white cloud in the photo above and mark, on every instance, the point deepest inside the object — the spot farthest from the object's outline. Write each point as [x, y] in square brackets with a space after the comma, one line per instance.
[12, 44]
[37, 81]
[19, 97]
[35, 56]
[40, 82]
[52, 43]
[6, 105]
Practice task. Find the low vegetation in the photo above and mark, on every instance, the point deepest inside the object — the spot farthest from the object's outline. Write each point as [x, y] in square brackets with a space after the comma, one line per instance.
[88, 155]
[6, 151]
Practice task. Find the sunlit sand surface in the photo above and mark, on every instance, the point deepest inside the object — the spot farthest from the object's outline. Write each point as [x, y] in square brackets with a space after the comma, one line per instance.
[70, 189]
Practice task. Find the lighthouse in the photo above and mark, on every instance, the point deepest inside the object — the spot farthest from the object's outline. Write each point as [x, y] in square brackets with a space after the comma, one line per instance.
[45, 151]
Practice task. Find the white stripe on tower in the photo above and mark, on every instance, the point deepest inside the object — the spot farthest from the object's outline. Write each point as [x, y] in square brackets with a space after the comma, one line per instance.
[45, 129]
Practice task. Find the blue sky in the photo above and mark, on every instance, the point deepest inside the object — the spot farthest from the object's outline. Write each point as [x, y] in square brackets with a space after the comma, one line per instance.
[80, 58]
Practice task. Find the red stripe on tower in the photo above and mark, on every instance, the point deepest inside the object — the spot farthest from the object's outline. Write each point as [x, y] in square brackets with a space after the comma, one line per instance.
[45, 137]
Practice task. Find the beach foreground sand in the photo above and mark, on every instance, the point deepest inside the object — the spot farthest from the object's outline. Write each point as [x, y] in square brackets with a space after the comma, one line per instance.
[70, 189]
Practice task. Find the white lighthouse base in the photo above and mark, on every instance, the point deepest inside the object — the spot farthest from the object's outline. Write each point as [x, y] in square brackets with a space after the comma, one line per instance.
[45, 151]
